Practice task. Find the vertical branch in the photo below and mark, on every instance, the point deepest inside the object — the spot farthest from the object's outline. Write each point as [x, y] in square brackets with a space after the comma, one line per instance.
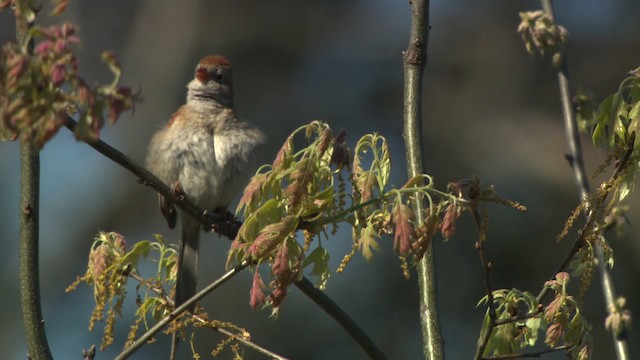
[575, 158]
[486, 266]
[29, 226]
[414, 62]
[29, 269]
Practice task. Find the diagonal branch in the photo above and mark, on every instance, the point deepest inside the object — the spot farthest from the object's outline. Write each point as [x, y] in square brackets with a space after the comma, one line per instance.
[228, 229]
[331, 308]
[536, 354]
[211, 220]
[180, 309]
[246, 342]
[415, 58]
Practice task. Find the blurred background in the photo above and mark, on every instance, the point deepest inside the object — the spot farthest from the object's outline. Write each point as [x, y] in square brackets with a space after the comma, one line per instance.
[490, 110]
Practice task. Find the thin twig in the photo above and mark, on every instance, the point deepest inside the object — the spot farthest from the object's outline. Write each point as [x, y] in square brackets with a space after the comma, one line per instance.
[180, 309]
[519, 317]
[331, 308]
[211, 220]
[536, 354]
[486, 265]
[158, 290]
[244, 341]
[415, 58]
[29, 269]
[580, 174]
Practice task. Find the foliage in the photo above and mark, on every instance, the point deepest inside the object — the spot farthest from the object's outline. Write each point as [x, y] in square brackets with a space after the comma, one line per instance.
[539, 31]
[40, 88]
[515, 317]
[305, 191]
[561, 318]
[108, 269]
[619, 319]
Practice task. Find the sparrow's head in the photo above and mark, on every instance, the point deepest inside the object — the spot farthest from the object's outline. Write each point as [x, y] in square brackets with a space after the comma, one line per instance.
[213, 81]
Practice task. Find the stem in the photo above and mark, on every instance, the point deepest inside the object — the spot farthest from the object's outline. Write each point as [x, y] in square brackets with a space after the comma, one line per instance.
[331, 308]
[414, 62]
[353, 208]
[246, 342]
[180, 309]
[573, 140]
[29, 270]
[486, 265]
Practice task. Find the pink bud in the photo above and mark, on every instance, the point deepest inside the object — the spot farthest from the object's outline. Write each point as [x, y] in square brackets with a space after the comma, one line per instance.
[59, 46]
[44, 47]
[17, 66]
[256, 296]
[58, 74]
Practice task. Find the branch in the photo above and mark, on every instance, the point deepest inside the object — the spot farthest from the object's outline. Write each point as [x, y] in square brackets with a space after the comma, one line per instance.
[180, 309]
[486, 265]
[577, 164]
[32, 319]
[414, 61]
[536, 354]
[213, 221]
[331, 308]
[160, 292]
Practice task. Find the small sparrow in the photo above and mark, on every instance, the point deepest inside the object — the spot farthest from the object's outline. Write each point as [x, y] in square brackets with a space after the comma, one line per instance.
[206, 153]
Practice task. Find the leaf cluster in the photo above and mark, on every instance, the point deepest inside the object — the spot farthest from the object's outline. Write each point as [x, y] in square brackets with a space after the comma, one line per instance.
[39, 89]
[314, 190]
[561, 319]
[109, 268]
[539, 31]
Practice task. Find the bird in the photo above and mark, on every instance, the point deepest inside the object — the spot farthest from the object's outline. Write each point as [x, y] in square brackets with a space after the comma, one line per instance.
[206, 153]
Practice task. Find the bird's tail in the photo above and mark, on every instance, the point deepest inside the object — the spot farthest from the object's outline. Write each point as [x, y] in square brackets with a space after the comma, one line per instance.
[187, 261]
[187, 267]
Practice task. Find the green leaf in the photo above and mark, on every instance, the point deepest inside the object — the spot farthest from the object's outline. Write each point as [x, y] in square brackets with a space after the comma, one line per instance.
[634, 113]
[603, 120]
[616, 110]
[531, 337]
[367, 244]
[140, 249]
[319, 257]
[575, 329]
[502, 340]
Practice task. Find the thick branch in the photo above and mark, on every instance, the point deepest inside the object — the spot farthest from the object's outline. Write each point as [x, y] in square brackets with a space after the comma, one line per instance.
[414, 61]
[331, 308]
[29, 252]
[577, 164]
[29, 241]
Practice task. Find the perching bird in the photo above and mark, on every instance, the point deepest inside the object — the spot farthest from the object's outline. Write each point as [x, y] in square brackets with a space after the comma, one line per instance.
[205, 152]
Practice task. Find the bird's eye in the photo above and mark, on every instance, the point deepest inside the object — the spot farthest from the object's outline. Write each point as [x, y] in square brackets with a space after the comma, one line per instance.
[219, 77]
